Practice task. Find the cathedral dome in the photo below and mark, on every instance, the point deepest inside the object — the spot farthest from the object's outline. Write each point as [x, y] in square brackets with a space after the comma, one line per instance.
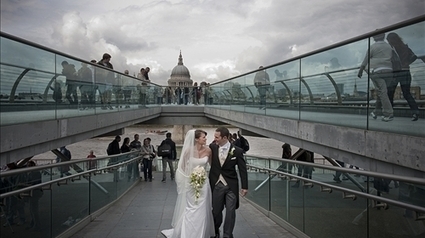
[180, 75]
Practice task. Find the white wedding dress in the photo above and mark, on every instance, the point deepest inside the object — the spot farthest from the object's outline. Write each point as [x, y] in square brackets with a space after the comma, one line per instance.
[196, 220]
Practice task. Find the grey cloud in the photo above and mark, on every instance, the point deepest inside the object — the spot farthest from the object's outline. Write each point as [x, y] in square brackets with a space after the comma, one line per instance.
[247, 33]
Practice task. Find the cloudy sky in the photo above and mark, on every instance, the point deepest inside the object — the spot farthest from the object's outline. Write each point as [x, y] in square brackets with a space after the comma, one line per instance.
[218, 38]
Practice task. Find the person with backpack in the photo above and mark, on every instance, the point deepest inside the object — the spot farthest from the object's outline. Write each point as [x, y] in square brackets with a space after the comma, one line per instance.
[167, 150]
[114, 146]
[64, 169]
[243, 142]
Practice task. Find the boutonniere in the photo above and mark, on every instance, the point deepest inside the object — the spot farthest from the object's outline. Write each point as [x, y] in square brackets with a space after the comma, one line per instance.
[232, 151]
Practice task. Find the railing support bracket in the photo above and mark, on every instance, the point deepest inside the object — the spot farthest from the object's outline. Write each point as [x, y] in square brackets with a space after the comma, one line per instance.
[349, 196]
[325, 189]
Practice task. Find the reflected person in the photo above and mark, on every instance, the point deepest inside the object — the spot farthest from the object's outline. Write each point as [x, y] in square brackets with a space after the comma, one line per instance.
[403, 76]
[262, 82]
[379, 56]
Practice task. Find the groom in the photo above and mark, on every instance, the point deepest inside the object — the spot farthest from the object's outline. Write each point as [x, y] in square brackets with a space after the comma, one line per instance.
[224, 181]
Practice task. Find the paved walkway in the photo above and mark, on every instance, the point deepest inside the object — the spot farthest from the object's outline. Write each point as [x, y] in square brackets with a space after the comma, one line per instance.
[148, 208]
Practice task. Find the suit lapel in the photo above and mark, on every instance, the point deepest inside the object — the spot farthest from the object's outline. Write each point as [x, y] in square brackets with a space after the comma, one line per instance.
[217, 157]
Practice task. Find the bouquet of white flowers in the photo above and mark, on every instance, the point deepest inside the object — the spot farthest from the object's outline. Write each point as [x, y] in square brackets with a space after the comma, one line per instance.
[197, 180]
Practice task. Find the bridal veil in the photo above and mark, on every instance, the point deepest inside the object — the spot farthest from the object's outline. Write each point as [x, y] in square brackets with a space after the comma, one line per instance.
[184, 169]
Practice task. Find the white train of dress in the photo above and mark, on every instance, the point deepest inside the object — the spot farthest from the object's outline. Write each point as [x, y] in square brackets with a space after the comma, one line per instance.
[197, 220]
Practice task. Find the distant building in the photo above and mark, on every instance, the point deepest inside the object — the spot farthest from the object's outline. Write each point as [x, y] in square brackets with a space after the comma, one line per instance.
[180, 75]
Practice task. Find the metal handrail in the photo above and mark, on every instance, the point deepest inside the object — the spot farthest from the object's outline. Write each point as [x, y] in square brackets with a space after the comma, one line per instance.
[419, 181]
[48, 183]
[342, 189]
[48, 166]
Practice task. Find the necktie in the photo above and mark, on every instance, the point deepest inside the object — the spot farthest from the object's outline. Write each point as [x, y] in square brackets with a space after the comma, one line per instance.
[222, 155]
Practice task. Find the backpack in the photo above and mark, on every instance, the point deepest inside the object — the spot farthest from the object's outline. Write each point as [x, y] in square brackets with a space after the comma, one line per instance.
[244, 144]
[109, 149]
[164, 150]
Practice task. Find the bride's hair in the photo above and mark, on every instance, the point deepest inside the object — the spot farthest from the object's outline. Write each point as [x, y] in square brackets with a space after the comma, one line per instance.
[198, 133]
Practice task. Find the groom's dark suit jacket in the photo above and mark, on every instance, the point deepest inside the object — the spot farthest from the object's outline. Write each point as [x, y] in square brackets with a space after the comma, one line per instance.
[228, 170]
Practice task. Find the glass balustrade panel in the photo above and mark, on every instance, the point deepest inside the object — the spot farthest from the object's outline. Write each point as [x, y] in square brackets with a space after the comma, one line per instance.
[391, 221]
[259, 188]
[103, 189]
[405, 87]
[330, 89]
[70, 203]
[323, 207]
[238, 97]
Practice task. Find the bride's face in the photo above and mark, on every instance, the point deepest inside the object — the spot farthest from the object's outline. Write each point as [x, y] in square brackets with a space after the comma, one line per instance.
[202, 140]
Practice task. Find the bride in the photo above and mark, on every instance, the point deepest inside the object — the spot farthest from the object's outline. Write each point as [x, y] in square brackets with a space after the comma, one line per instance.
[193, 213]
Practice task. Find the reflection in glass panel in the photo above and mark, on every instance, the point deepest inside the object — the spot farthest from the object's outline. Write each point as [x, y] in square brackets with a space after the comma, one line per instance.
[29, 215]
[157, 93]
[67, 210]
[406, 85]
[393, 222]
[347, 216]
[331, 85]
[279, 194]
[296, 205]
[239, 98]
[102, 190]
[24, 56]
[259, 188]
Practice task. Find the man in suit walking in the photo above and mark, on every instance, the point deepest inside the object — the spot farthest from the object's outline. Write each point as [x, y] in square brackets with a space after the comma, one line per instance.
[224, 181]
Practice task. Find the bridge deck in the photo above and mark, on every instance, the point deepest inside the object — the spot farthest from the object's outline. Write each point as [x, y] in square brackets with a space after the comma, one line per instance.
[148, 208]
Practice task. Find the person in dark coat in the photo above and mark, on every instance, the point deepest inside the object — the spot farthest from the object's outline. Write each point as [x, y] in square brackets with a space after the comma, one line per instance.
[168, 159]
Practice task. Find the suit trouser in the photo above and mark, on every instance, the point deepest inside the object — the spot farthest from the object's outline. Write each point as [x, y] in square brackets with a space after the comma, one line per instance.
[223, 196]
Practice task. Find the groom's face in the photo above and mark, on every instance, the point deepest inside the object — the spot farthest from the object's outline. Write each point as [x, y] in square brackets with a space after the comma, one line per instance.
[219, 139]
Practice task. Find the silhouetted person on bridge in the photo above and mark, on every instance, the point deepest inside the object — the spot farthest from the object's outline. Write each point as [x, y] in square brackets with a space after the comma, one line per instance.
[179, 95]
[86, 85]
[114, 149]
[105, 81]
[403, 75]
[70, 73]
[286, 154]
[64, 169]
[305, 171]
[262, 82]
[57, 91]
